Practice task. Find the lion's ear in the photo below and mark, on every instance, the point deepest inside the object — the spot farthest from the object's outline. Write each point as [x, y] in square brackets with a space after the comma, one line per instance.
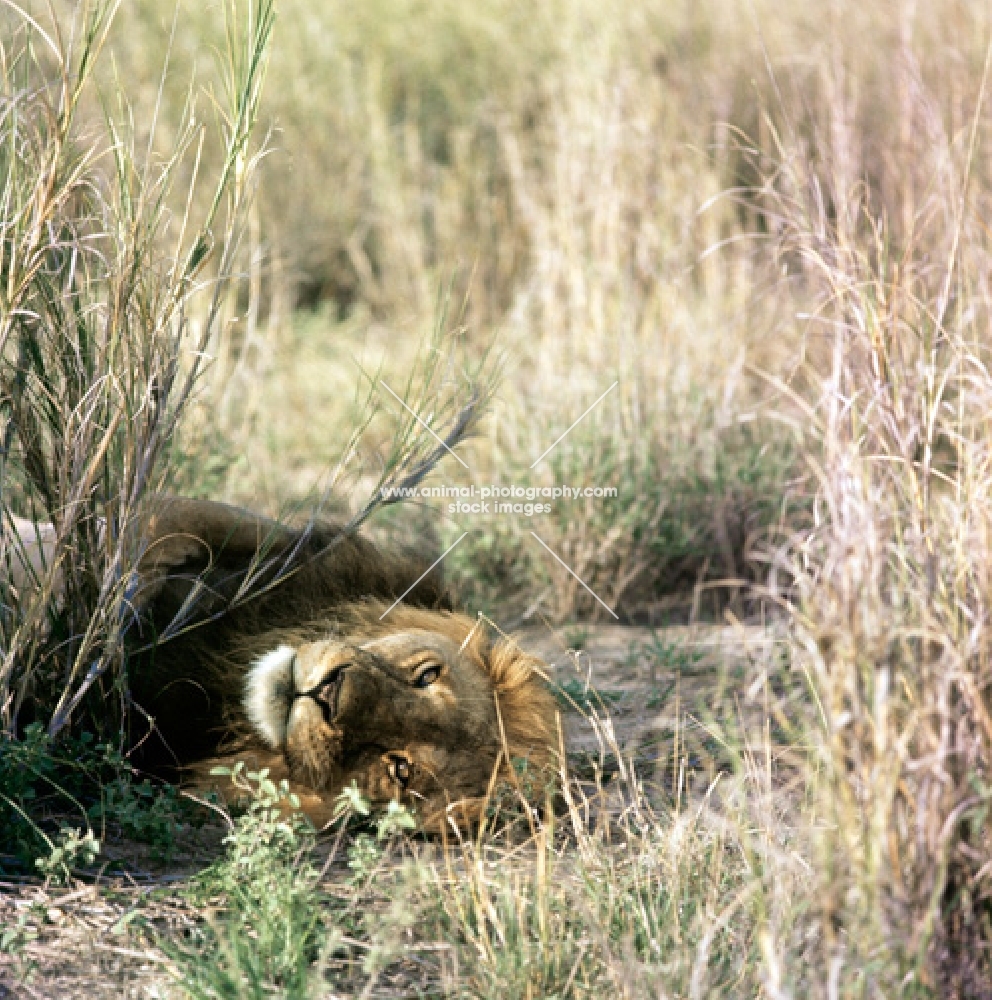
[269, 693]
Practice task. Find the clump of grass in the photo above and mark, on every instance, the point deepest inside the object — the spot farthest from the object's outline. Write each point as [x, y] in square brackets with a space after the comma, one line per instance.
[577, 694]
[113, 304]
[99, 350]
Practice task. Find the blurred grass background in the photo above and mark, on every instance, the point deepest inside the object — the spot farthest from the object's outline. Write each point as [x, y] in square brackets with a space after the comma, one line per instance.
[601, 190]
[583, 183]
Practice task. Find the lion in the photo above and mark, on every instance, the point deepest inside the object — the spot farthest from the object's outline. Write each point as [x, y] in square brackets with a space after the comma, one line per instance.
[312, 653]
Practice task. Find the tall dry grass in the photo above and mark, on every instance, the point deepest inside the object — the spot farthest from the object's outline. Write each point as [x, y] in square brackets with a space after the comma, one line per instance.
[120, 277]
[101, 336]
[893, 578]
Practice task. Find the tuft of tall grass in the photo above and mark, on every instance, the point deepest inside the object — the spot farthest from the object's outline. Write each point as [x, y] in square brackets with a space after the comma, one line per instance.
[893, 579]
[109, 300]
[120, 277]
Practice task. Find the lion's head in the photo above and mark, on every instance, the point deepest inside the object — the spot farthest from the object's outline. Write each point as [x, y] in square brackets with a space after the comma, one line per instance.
[419, 708]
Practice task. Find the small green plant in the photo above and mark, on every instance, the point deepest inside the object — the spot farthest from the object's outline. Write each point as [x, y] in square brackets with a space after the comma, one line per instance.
[146, 812]
[577, 636]
[41, 782]
[15, 936]
[366, 852]
[666, 654]
[24, 765]
[395, 820]
[50, 785]
[71, 849]
[351, 802]
[666, 660]
[268, 923]
[271, 831]
[14, 939]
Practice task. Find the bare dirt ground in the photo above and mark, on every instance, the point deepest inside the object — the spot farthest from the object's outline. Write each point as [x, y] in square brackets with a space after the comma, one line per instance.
[659, 697]
[647, 697]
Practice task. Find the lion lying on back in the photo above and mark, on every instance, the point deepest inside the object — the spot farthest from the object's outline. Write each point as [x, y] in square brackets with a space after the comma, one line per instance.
[280, 646]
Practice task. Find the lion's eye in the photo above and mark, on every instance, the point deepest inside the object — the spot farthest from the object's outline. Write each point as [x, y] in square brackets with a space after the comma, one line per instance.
[399, 770]
[427, 676]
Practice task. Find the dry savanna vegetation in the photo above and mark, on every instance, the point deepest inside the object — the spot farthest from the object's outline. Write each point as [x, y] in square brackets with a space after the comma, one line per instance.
[760, 232]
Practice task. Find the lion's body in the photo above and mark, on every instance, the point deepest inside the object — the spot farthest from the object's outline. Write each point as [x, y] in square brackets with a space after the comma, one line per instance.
[237, 610]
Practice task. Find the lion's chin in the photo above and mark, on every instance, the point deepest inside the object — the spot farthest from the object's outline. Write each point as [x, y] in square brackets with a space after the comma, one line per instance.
[269, 692]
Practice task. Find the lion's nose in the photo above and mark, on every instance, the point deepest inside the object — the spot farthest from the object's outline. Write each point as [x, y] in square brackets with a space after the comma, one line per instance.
[326, 693]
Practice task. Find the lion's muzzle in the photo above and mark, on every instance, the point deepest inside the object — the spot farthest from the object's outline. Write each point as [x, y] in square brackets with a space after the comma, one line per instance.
[327, 694]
